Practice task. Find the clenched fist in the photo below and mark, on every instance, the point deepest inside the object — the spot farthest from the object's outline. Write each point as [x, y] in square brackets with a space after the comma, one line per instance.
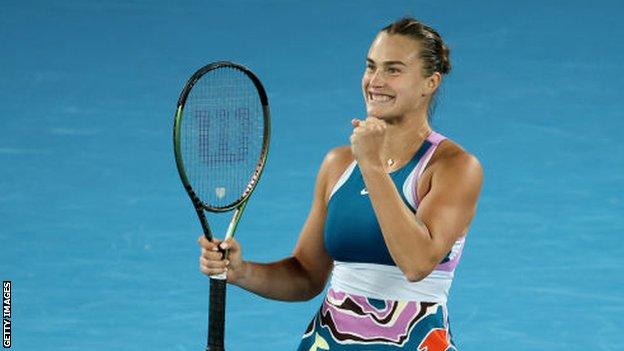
[367, 140]
[211, 260]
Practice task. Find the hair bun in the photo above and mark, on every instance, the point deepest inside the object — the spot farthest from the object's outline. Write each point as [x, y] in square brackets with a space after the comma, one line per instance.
[445, 62]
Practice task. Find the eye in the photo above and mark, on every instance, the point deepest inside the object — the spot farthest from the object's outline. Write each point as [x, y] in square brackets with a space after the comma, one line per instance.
[370, 67]
[393, 70]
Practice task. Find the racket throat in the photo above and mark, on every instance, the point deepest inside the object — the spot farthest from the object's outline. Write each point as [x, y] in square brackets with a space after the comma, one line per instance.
[234, 222]
[203, 221]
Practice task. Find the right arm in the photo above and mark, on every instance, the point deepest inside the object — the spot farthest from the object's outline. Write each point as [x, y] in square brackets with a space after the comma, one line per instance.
[299, 277]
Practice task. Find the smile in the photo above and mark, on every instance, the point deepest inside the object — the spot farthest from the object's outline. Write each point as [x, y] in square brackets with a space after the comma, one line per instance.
[381, 98]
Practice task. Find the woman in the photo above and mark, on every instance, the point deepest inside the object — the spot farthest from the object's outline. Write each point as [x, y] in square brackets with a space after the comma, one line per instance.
[389, 216]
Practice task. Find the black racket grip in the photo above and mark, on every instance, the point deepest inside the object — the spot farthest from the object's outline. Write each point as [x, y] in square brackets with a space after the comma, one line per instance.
[216, 315]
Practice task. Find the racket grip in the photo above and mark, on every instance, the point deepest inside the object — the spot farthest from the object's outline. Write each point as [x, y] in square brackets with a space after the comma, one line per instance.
[216, 315]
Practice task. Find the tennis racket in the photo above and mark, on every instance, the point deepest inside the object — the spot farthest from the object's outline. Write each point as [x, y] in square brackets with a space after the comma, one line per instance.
[221, 140]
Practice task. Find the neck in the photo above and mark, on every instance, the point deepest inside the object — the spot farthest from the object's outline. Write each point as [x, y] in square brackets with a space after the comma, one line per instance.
[403, 137]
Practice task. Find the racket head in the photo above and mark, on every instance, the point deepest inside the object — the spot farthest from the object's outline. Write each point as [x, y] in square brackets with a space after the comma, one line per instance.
[221, 135]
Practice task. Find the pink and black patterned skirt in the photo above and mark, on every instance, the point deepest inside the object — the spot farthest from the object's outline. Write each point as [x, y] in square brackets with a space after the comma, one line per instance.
[352, 322]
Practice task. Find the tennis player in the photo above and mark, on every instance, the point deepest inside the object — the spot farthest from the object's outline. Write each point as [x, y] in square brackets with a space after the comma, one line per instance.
[389, 217]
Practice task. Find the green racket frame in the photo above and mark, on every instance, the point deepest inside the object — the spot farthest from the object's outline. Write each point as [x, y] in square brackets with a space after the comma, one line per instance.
[216, 322]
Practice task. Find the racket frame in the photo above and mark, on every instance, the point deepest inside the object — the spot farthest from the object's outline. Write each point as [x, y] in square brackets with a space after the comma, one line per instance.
[216, 322]
[239, 204]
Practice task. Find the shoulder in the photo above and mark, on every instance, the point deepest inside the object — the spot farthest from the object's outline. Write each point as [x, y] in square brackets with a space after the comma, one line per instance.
[338, 156]
[451, 165]
[336, 161]
[452, 161]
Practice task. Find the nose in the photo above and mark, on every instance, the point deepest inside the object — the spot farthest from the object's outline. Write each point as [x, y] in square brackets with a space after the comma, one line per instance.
[376, 79]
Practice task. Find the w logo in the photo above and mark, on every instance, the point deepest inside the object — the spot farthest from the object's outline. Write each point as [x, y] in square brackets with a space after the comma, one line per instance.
[436, 340]
[223, 135]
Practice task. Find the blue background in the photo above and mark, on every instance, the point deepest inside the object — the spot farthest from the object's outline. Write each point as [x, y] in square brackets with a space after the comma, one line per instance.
[99, 238]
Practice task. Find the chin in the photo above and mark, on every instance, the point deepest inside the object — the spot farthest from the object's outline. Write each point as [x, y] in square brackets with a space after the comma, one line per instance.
[379, 113]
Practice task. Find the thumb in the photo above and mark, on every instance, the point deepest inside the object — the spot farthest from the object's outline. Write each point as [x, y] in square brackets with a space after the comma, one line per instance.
[208, 245]
[232, 249]
[230, 244]
[355, 122]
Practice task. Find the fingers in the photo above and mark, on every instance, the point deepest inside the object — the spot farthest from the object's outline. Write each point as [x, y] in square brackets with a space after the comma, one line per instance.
[208, 245]
[213, 254]
[211, 266]
[368, 122]
[230, 244]
[211, 261]
[374, 122]
[370, 125]
[217, 245]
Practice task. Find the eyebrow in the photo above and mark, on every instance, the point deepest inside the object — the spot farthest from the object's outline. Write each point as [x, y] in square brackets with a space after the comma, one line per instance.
[387, 63]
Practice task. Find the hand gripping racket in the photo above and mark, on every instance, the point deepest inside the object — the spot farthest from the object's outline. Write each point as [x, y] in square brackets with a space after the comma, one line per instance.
[221, 141]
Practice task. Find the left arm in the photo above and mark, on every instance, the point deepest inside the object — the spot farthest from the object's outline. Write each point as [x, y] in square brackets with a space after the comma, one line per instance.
[417, 243]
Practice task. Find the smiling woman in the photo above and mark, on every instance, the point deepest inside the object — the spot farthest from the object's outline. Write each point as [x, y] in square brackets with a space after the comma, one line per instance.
[389, 217]
[423, 55]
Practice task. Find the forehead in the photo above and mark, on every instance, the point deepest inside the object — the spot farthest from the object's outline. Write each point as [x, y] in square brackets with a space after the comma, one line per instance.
[394, 47]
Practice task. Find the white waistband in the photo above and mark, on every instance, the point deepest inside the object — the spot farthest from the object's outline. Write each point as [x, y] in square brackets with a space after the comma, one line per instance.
[388, 282]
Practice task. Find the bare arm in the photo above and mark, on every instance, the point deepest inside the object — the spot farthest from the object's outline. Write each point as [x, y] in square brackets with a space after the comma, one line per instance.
[298, 277]
[301, 276]
[417, 243]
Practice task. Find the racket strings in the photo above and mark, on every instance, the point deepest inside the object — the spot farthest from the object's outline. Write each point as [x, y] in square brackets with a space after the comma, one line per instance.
[222, 134]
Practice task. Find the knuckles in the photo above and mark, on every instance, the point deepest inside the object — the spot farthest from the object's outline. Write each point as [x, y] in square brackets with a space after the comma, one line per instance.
[211, 260]
[211, 264]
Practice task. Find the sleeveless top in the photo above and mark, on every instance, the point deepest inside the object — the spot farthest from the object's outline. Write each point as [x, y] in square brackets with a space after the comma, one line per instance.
[362, 264]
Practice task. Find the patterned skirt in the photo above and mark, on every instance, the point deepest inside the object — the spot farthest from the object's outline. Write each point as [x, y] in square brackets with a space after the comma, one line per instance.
[352, 322]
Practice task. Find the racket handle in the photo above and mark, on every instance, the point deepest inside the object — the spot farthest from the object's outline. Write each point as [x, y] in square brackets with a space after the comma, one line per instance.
[216, 315]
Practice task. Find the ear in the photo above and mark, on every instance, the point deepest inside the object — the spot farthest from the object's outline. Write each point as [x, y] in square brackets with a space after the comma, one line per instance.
[433, 82]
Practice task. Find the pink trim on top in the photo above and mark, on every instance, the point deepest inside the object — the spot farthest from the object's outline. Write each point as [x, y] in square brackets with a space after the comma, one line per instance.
[435, 139]
[456, 252]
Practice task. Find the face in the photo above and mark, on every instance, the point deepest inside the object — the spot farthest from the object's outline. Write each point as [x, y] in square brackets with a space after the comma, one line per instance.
[393, 83]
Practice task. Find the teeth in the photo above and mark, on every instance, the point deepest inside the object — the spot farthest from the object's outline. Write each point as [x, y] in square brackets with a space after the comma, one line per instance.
[380, 98]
